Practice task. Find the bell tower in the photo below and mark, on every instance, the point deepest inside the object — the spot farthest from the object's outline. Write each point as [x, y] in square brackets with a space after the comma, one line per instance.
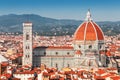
[27, 43]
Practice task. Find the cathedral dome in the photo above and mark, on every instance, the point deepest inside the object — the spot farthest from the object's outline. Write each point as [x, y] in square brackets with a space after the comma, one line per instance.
[88, 30]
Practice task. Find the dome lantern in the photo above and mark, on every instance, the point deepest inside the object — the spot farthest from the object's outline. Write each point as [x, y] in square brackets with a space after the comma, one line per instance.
[88, 16]
[88, 30]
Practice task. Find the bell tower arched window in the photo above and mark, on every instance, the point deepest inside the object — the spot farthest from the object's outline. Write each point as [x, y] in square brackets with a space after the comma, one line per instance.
[27, 37]
[56, 65]
[100, 46]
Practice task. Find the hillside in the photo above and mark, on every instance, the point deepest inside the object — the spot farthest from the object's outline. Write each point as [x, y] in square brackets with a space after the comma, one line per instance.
[49, 26]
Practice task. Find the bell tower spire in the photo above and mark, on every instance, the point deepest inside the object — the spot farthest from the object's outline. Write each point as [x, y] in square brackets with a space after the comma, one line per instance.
[88, 16]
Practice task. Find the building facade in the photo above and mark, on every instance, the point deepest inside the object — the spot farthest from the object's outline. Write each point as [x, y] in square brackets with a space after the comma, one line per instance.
[52, 56]
[85, 53]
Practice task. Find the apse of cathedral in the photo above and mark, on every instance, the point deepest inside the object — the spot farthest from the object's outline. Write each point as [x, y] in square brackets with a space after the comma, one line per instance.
[85, 52]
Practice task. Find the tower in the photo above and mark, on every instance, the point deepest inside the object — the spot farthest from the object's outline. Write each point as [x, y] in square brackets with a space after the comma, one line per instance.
[27, 43]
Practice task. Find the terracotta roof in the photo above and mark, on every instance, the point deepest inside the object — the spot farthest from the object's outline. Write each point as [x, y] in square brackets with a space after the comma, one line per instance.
[107, 75]
[15, 78]
[100, 71]
[61, 78]
[26, 72]
[19, 54]
[112, 68]
[46, 74]
[78, 52]
[108, 53]
[4, 63]
[7, 75]
[89, 30]
[99, 78]
[102, 52]
[115, 77]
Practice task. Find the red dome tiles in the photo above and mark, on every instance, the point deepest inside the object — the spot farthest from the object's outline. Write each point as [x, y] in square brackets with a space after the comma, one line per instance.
[89, 30]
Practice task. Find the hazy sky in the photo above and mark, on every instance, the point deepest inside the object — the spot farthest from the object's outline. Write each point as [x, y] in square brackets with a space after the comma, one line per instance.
[101, 10]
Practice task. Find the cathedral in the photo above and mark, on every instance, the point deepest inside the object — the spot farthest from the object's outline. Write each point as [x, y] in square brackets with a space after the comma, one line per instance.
[88, 42]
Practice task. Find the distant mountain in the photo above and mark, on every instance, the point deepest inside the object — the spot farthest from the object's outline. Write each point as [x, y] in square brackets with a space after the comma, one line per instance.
[49, 26]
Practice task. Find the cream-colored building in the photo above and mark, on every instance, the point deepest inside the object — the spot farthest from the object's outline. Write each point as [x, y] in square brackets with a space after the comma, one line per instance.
[88, 42]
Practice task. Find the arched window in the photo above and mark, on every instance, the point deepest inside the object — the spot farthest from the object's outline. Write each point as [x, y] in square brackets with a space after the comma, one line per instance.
[68, 53]
[44, 53]
[28, 56]
[28, 47]
[27, 37]
[68, 65]
[89, 63]
[56, 53]
[90, 46]
[100, 46]
[56, 65]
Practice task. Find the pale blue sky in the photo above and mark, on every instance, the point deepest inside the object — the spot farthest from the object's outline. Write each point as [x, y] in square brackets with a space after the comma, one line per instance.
[102, 10]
